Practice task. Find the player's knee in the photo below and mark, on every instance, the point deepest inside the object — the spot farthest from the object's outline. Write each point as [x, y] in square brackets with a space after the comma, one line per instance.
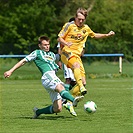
[57, 106]
[59, 88]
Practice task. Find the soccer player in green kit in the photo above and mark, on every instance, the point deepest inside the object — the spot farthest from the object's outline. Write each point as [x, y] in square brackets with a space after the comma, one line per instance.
[45, 61]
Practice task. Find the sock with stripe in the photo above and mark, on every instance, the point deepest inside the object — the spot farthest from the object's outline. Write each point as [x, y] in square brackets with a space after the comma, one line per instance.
[66, 95]
[47, 110]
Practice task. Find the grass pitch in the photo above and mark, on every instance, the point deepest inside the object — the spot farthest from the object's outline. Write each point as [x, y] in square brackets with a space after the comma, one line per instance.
[113, 96]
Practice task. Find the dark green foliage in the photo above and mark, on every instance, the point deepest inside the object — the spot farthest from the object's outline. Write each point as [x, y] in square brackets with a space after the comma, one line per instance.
[23, 21]
[113, 15]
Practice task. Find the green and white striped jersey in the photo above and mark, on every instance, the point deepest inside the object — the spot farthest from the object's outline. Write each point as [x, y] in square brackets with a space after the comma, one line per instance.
[45, 61]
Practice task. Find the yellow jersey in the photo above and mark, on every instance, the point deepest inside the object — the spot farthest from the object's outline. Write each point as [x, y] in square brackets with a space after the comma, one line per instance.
[76, 35]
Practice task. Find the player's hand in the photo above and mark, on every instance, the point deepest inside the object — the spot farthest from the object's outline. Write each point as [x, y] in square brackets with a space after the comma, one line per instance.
[111, 33]
[7, 74]
[69, 44]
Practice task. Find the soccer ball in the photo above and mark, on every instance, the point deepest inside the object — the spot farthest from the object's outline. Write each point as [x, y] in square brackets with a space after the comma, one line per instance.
[90, 107]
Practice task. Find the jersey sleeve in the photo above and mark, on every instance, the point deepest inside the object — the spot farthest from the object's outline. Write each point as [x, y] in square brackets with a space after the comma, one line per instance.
[31, 56]
[64, 30]
[90, 32]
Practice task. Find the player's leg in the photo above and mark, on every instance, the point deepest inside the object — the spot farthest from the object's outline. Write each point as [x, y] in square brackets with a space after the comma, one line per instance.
[69, 107]
[52, 82]
[68, 74]
[76, 64]
[69, 83]
[66, 77]
[72, 84]
[66, 95]
[67, 88]
[71, 78]
[68, 104]
[56, 107]
[57, 103]
[76, 90]
[57, 91]
[56, 84]
[55, 97]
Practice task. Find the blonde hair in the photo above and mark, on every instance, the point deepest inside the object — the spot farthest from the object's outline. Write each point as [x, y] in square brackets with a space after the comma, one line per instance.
[82, 11]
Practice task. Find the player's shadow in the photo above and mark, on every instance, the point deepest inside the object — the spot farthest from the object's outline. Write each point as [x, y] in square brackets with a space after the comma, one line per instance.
[47, 117]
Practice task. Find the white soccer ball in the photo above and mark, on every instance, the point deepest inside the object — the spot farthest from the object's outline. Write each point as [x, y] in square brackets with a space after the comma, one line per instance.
[90, 107]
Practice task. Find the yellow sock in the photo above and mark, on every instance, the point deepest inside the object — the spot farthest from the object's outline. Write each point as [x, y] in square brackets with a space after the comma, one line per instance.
[76, 91]
[78, 77]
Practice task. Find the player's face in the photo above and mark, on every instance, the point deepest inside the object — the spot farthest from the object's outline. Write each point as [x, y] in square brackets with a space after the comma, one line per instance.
[79, 20]
[44, 45]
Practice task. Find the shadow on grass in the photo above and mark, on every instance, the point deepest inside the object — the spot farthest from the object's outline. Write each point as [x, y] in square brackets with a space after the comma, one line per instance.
[47, 117]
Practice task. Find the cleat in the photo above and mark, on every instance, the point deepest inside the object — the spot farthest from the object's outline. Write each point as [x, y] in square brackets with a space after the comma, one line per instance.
[35, 115]
[70, 108]
[76, 100]
[83, 90]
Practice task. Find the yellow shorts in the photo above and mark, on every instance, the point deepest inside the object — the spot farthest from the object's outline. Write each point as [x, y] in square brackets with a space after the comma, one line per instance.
[69, 58]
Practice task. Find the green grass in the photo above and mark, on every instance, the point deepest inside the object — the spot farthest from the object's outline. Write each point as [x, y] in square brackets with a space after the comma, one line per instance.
[110, 91]
[112, 96]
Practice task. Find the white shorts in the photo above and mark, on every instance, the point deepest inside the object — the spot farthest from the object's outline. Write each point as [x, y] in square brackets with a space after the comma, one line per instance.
[68, 73]
[49, 82]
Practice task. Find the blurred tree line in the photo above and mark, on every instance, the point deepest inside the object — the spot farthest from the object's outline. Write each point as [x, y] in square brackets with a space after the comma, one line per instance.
[23, 21]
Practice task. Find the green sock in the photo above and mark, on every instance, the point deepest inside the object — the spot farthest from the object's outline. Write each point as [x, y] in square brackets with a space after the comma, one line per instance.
[47, 110]
[66, 95]
[67, 86]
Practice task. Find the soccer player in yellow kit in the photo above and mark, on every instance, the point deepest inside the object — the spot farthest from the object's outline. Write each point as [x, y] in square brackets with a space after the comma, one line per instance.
[72, 36]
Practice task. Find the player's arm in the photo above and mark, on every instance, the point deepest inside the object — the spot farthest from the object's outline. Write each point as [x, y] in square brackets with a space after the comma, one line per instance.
[18, 65]
[63, 42]
[99, 35]
[63, 33]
